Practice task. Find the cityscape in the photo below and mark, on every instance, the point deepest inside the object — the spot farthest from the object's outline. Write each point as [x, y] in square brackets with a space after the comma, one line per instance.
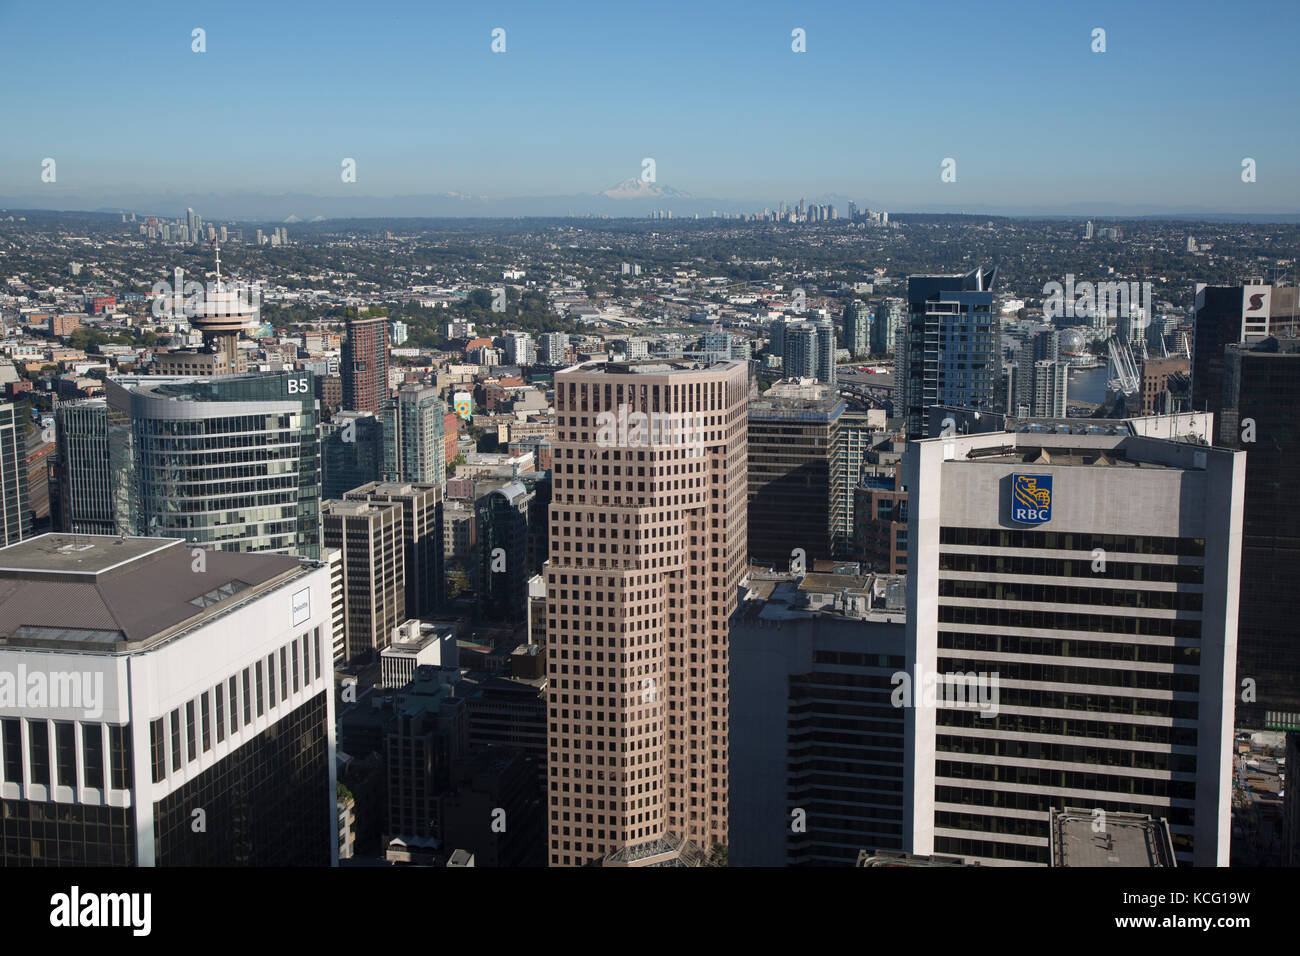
[828, 523]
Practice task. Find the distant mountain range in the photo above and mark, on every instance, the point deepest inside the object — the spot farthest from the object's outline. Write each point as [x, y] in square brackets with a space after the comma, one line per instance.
[630, 198]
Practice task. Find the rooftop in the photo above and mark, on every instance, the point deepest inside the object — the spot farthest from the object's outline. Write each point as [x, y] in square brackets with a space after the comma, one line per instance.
[1100, 838]
[110, 594]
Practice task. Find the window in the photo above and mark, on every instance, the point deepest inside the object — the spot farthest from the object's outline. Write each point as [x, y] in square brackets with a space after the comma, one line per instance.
[176, 739]
[119, 755]
[221, 712]
[11, 735]
[260, 705]
[65, 752]
[191, 730]
[38, 739]
[206, 716]
[92, 755]
[156, 731]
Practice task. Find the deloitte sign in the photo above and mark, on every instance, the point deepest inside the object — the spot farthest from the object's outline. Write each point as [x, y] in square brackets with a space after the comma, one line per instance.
[1031, 498]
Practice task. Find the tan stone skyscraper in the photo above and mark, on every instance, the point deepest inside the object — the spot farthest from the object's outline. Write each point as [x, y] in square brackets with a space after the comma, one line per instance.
[647, 548]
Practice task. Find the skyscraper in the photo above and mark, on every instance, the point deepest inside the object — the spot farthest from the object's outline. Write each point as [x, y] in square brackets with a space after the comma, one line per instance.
[414, 449]
[890, 314]
[796, 475]
[352, 453]
[1072, 606]
[826, 351]
[1261, 392]
[647, 549]
[501, 518]
[857, 328]
[799, 350]
[421, 539]
[816, 746]
[365, 364]
[950, 352]
[169, 466]
[15, 521]
[1233, 314]
[176, 686]
[370, 535]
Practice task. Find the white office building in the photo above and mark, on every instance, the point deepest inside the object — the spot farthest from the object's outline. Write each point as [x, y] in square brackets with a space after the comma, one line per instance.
[164, 706]
[1088, 583]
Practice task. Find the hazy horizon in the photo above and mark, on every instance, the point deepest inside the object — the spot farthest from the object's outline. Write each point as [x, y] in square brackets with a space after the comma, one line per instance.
[1033, 119]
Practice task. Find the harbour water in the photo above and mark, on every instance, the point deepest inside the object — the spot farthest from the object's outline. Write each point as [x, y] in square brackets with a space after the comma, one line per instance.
[1088, 385]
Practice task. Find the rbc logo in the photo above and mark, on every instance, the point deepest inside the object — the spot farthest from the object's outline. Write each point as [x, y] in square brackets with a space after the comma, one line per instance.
[1031, 498]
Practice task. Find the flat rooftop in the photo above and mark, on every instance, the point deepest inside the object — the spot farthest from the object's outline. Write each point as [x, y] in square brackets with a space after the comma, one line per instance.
[77, 555]
[1081, 837]
[104, 594]
[648, 367]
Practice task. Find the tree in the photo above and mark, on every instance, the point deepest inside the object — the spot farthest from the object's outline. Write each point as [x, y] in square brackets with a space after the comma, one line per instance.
[718, 855]
[457, 583]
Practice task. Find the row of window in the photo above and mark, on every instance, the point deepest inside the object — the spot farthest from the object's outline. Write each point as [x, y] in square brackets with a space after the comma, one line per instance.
[57, 751]
[264, 685]
[1071, 541]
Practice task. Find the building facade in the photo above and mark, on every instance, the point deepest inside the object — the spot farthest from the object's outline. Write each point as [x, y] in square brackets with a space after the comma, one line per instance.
[949, 352]
[174, 688]
[647, 551]
[365, 364]
[1083, 589]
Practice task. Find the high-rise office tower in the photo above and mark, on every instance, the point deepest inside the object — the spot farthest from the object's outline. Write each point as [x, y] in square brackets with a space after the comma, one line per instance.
[414, 449]
[88, 465]
[365, 364]
[857, 328]
[796, 475]
[950, 349]
[501, 518]
[421, 539]
[647, 552]
[1235, 314]
[890, 315]
[816, 744]
[352, 453]
[172, 686]
[370, 535]
[1261, 392]
[15, 521]
[1083, 592]
[170, 469]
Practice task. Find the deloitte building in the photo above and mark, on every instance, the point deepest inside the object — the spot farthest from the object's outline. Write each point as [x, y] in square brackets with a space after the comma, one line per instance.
[1092, 581]
[229, 462]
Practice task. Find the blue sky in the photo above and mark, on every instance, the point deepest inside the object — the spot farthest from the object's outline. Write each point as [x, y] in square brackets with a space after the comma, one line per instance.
[712, 91]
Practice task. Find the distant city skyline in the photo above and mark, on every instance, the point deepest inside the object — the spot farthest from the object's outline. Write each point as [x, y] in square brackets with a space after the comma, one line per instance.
[1036, 122]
